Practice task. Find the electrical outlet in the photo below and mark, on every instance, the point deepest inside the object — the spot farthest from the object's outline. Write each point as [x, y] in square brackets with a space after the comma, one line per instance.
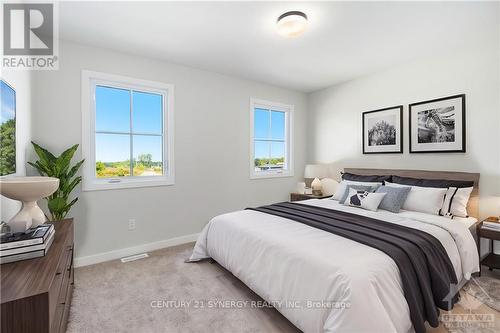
[131, 224]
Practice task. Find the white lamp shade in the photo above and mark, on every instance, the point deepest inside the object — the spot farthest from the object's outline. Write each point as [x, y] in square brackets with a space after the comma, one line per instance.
[315, 171]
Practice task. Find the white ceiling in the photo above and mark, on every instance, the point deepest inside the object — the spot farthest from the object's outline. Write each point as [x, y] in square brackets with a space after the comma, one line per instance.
[344, 40]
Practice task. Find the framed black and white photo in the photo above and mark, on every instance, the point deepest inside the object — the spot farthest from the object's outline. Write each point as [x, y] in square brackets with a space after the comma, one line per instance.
[438, 125]
[383, 131]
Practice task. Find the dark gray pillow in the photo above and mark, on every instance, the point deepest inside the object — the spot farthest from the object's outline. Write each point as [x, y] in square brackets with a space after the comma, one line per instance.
[394, 197]
[437, 183]
[365, 178]
[357, 188]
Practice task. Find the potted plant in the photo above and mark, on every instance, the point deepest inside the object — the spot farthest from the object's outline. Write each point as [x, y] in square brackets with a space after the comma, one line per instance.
[58, 167]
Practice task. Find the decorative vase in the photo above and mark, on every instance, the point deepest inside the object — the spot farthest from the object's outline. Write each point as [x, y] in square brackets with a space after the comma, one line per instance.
[27, 190]
[316, 186]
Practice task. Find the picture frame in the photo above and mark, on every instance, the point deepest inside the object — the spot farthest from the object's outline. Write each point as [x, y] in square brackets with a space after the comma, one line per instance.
[8, 153]
[438, 125]
[383, 131]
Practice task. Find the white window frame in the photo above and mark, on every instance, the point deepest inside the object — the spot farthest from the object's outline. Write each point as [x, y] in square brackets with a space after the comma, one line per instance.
[90, 80]
[289, 162]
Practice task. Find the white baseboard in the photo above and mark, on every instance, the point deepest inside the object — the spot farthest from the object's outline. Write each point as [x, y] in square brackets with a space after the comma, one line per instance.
[117, 254]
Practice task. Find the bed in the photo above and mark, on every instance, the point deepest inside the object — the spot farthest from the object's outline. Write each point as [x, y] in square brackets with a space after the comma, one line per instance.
[323, 282]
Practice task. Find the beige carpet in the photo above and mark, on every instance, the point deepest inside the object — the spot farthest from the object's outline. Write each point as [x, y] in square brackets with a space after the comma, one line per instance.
[132, 297]
[117, 297]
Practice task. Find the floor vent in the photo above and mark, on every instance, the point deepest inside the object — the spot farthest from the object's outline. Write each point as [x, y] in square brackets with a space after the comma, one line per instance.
[134, 257]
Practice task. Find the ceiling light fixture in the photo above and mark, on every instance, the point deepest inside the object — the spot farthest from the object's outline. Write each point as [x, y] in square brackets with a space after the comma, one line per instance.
[291, 24]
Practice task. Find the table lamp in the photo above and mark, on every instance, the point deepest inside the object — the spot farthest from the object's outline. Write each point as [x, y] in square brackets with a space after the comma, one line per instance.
[312, 174]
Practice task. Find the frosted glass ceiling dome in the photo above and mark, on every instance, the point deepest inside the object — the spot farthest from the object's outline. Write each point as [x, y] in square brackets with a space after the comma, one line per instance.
[291, 24]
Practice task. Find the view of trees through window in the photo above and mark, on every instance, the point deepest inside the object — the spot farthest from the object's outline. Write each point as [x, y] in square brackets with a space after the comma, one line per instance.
[129, 133]
[7, 129]
[269, 139]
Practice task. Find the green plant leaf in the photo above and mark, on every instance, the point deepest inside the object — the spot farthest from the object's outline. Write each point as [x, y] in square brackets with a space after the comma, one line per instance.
[68, 187]
[64, 160]
[58, 167]
[41, 170]
[68, 206]
[46, 157]
[75, 168]
[56, 204]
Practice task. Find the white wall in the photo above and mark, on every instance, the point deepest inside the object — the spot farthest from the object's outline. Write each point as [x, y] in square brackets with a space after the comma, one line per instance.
[211, 149]
[21, 82]
[335, 116]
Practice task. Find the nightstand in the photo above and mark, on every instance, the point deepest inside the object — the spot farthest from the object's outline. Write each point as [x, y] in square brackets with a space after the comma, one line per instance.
[492, 260]
[300, 196]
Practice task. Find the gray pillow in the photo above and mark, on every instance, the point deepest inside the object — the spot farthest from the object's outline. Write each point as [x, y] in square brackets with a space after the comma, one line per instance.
[357, 188]
[395, 197]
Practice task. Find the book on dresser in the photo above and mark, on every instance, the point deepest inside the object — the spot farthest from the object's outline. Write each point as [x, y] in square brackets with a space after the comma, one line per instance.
[32, 236]
[491, 225]
[32, 243]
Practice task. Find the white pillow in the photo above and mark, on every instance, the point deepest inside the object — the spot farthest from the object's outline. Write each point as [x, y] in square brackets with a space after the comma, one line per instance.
[459, 202]
[364, 199]
[445, 209]
[328, 186]
[342, 187]
[423, 199]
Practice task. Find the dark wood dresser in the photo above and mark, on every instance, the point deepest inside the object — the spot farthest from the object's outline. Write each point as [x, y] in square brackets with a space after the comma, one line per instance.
[36, 293]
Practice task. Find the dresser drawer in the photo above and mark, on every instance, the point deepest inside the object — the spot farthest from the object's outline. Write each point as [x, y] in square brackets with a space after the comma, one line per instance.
[59, 286]
[67, 306]
[66, 277]
[54, 290]
[57, 318]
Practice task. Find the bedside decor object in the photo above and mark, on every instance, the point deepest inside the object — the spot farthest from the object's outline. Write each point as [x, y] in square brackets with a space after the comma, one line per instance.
[316, 186]
[7, 129]
[60, 168]
[314, 171]
[383, 131]
[28, 190]
[438, 125]
[301, 188]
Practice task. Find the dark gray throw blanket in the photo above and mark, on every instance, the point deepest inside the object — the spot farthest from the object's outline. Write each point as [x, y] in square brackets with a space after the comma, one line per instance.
[426, 271]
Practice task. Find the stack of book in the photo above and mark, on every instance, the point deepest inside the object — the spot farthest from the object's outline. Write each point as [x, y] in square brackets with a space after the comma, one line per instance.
[491, 225]
[33, 243]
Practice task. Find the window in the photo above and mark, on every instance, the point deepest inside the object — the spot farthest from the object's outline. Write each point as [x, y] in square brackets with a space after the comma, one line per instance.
[271, 139]
[127, 132]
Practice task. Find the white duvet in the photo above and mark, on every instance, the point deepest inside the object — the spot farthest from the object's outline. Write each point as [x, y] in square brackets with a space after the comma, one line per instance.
[320, 281]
